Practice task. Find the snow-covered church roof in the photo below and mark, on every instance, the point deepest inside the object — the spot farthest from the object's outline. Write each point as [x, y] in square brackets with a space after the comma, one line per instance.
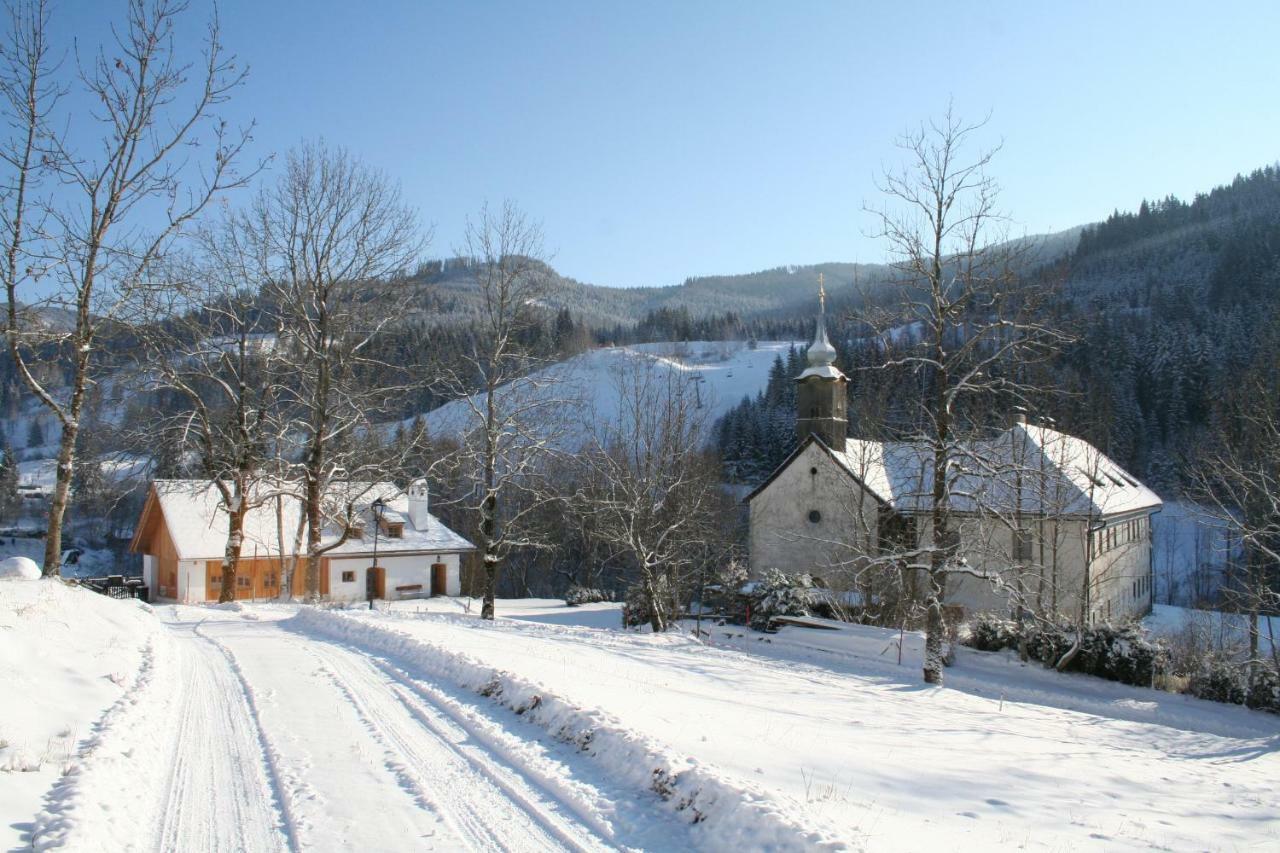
[1029, 468]
[197, 521]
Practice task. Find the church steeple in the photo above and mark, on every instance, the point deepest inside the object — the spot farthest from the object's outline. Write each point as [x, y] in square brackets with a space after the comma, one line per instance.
[821, 398]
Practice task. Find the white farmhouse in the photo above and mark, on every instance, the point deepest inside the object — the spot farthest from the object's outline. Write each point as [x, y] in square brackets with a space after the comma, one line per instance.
[1044, 518]
[182, 535]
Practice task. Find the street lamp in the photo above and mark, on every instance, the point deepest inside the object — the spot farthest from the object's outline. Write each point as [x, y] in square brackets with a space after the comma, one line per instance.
[378, 507]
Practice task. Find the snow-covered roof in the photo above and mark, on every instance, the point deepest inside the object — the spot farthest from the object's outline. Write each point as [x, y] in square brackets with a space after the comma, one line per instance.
[1040, 470]
[197, 521]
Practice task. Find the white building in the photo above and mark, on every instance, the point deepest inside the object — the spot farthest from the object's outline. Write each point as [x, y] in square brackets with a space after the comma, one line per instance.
[1043, 518]
[182, 535]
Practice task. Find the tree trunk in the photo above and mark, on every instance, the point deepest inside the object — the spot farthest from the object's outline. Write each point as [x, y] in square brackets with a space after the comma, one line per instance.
[315, 531]
[656, 618]
[935, 629]
[488, 510]
[61, 496]
[231, 555]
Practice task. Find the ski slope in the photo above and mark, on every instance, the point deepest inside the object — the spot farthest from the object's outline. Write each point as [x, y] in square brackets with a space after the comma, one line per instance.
[722, 372]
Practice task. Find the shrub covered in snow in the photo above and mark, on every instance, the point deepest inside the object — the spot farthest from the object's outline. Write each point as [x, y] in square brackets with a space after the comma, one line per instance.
[780, 594]
[992, 634]
[1121, 653]
[1221, 679]
[576, 595]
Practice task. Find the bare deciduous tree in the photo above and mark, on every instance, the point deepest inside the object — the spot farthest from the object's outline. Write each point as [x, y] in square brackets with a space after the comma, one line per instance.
[216, 350]
[1239, 482]
[957, 276]
[86, 219]
[331, 240]
[651, 488]
[514, 414]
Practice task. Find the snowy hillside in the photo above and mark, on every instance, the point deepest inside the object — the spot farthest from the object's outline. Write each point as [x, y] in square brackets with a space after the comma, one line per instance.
[722, 371]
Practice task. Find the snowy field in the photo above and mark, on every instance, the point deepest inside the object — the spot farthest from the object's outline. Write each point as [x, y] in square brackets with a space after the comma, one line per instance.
[727, 371]
[1215, 629]
[421, 727]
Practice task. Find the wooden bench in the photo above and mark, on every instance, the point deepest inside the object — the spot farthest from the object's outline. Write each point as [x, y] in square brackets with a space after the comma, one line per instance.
[410, 591]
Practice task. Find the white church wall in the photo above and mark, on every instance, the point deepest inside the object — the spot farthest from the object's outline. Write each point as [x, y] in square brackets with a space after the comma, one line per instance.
[783, 536]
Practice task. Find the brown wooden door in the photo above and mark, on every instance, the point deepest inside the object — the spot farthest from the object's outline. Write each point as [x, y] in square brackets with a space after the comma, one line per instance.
[375, 582]
[439, 579]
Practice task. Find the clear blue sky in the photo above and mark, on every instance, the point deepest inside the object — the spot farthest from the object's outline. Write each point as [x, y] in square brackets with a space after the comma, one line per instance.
[660, 140]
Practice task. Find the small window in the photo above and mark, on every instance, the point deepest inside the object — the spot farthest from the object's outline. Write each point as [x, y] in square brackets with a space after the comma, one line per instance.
[348, 577]
[243, 582]
[814, 516]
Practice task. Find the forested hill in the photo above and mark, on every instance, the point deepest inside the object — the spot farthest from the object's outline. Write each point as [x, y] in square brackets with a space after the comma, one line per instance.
[1176, 306]
[448, 293]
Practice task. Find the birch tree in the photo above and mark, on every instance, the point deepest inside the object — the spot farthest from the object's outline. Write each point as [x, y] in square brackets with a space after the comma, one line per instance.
[96, 187]
[957, 277]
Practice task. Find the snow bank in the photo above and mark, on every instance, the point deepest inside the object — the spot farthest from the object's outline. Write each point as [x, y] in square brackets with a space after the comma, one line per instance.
[70, 659]
[733, 814]
[19, 568]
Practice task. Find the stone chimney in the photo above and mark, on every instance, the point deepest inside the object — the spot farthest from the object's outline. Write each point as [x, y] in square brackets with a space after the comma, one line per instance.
[418, 504]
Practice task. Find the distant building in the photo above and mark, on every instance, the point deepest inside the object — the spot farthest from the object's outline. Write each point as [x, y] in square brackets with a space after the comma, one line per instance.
[1038, 512]
[182, 534]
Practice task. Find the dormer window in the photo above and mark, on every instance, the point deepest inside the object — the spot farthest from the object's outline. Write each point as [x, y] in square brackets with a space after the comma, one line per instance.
[393, 529]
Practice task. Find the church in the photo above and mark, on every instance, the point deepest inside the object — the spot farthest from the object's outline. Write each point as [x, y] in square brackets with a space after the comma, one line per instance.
[1045, 520]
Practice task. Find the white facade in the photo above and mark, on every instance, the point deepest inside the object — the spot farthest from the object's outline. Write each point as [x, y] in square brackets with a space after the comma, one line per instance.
[402, 570]
[815, 515]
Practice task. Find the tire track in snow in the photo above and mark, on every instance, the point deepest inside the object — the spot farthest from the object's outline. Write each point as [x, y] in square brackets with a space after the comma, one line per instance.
[222, 792]
[491, 805]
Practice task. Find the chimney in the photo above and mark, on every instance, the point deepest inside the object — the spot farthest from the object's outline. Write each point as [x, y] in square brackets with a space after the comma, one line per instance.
[418, 504]
[1018, 417]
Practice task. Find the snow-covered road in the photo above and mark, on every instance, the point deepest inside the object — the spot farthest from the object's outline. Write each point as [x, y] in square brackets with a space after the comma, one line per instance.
[290, 741]
[217, 793]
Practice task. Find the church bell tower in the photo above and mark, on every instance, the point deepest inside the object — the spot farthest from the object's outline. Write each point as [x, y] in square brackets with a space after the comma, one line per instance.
[821, 395]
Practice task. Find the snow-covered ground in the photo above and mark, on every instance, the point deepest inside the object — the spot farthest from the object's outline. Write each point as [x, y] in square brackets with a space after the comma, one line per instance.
[724, 371]
[829, 726]
[67, 658]
[1214, 629]
[420, 726]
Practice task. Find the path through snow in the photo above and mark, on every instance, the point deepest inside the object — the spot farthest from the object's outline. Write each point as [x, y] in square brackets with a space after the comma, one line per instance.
[292, 741]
